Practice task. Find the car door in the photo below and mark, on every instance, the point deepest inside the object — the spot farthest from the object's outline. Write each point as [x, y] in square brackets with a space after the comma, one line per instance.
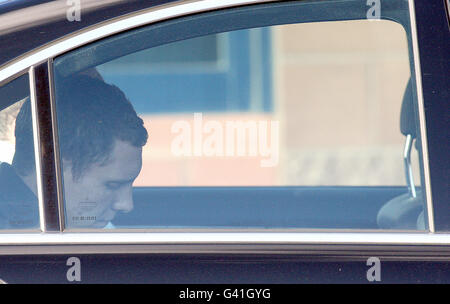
[276, 149]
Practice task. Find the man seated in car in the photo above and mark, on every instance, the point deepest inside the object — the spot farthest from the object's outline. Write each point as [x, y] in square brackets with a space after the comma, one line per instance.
[100, 138]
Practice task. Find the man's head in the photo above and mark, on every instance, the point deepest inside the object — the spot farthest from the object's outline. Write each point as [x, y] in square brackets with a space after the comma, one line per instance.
[100, 139]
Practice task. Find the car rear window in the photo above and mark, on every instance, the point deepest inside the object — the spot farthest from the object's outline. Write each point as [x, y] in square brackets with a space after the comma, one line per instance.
[273, 116]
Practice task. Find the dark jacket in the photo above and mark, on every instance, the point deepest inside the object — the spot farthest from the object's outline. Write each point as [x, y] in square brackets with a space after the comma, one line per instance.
[18, 204]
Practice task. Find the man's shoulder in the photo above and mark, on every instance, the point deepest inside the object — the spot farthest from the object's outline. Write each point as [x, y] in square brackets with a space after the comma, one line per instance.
[18, 205]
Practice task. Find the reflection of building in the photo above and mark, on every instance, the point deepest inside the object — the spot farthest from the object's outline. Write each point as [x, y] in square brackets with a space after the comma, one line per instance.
[336, 89]
[7, 139]
[228, 72]
[339, 87]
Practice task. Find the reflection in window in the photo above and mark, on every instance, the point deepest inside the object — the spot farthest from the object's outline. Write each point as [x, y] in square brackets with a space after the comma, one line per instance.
[222, 72]
[18, 200]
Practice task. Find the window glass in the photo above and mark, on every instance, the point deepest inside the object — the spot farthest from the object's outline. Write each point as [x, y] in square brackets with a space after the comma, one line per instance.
[18, 201]
[212, 73]
[289, 124]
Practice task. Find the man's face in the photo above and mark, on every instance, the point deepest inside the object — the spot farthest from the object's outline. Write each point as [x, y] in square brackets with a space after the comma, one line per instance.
[93, 199]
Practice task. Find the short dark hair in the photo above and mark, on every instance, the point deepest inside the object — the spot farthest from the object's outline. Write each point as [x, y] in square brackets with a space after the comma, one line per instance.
[91, 115]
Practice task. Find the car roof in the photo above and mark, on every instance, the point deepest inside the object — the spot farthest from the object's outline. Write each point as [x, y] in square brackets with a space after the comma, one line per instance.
[28, 24]
[12, 5]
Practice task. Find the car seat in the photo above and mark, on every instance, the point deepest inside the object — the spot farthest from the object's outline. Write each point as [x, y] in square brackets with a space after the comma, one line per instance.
[405, 211]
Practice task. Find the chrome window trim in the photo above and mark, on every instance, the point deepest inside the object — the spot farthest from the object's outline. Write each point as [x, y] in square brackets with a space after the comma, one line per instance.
[401, 246]
[216, 238]
[59, 182]
[37, 149]
[422, 123]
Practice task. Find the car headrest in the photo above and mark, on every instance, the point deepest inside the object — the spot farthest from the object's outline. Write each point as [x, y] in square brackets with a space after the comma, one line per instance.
[405, 211]
[407, 116]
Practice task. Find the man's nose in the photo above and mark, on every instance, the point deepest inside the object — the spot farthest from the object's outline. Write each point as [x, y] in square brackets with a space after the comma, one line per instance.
[124, 201]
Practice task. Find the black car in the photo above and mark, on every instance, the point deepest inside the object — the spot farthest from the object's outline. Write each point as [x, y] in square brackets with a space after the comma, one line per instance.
[214, 141]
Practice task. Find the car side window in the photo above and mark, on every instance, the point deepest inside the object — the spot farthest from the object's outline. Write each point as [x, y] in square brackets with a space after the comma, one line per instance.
[18, 200]
[289, 122]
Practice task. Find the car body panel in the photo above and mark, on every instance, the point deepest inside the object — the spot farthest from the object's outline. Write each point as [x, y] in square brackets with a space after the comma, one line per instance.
[33, 28]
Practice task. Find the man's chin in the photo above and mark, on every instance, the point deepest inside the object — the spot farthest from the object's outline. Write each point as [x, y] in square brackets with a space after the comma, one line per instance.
[100, 224]
[109, 225]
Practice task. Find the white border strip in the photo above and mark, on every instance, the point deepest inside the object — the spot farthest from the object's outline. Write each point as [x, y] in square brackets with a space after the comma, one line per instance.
[217, 238]
[125, 23]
